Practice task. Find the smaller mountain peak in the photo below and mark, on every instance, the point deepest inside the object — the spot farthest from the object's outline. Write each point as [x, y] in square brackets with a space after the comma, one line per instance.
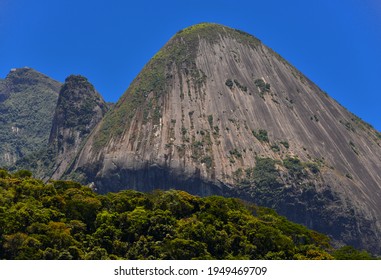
[18, 79]
[79, 109]
[22, 71]
[78, 85]
[76, 78]
[25, 74]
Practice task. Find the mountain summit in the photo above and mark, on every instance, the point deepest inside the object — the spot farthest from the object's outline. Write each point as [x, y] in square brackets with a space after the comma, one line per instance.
[27, 102]
[79, 109]
[217, 112]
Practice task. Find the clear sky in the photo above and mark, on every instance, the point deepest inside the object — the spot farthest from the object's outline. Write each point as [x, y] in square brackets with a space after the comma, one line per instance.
[337, 44]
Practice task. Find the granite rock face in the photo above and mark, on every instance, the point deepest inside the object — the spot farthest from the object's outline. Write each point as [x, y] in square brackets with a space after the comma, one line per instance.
[213, 112]
[218, 112]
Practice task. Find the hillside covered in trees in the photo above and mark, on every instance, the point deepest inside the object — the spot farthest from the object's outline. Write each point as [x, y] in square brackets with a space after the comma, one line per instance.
[65, 220]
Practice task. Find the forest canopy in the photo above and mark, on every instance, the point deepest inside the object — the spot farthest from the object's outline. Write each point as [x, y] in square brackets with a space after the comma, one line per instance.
[65, 220]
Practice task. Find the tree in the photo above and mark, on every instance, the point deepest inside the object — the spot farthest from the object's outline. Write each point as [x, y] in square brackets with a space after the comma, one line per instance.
[350, 253]
[184, 249]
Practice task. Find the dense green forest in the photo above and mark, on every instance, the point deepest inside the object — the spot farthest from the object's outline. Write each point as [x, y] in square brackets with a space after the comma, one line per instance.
[64, 220]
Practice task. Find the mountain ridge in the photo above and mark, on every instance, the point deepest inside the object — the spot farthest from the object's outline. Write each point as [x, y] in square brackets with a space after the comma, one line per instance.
[27, 101]
[217, 112]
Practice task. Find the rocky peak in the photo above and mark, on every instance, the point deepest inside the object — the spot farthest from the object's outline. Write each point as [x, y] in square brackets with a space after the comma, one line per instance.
[77, 98]
[79, 109]
[20, 79]
[217, 112]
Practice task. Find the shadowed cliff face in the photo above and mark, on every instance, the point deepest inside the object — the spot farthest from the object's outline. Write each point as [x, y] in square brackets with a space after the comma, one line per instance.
[79, 109]
[211, 107]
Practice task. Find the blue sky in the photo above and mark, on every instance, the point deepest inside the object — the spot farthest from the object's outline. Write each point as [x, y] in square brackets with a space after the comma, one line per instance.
[337, 44]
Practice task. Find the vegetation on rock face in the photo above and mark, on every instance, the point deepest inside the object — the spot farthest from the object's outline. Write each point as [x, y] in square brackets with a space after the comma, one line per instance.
[285, 185]
[146, 91]
[64, 220]
[212, 32]
[261, 135]
[27, 102]
[78, 110]
[78, 98]
[229, 83]
[263, 87]
[241, 87]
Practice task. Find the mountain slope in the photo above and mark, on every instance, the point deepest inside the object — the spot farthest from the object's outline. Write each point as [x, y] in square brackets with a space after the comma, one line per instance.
[27, 102]
[217, 112]
[79, 109]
